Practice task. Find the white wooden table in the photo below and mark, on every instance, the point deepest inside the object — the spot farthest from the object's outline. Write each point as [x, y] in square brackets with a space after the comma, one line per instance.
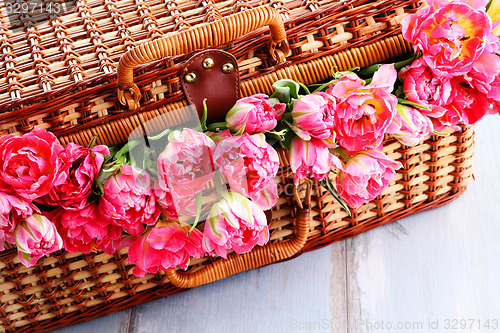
[430, 272]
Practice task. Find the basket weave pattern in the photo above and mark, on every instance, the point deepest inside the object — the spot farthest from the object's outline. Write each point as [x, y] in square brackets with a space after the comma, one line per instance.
[74, 287]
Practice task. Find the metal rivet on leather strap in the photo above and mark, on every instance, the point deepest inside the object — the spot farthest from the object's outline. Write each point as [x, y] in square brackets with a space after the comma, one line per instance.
[228, 68]
[213, 88]
[208, 63]
[190, 77]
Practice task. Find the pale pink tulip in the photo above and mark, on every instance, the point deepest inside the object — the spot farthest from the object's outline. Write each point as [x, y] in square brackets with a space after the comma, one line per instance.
[250, 165]
[36, 236]
[313, 117]
[234, 223]
[254, 114]
[366, 175]
[412, 127]
[364, 112]
[186, 165]
[12, 210]
[311, 158]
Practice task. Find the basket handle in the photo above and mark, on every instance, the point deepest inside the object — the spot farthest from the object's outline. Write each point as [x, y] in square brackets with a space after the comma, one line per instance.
[198, 37]
[258, 257]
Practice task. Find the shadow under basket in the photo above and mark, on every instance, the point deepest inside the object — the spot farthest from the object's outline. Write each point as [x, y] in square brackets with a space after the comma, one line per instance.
[63, 289]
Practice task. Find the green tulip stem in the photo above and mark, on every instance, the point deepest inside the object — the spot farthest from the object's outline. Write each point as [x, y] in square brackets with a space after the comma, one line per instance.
[215, 127]
[199, 197]
[219, 187]
[339, 151]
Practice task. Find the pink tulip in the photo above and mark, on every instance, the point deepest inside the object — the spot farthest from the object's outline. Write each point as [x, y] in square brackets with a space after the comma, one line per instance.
[450, 101]
[364, 112]
[85, 230]
[468, 106]
[412, 127]
[12, 210]
[313, 117]
[311, 157]
[254, 114]
[36, 236]
[84, 166]
[129, 200]
[453, 36]
[186, 165]
[174, 209]
[494, 95]
[423, 87]
[234, 223]
[30, 165]
[366, 175]
[165, 247]
[250, 165]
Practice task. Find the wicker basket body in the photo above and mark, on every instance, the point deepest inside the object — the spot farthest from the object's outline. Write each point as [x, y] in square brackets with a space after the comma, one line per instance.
[61, 75]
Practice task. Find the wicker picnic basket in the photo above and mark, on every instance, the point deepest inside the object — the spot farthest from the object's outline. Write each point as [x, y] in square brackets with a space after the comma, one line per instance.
[63, 74]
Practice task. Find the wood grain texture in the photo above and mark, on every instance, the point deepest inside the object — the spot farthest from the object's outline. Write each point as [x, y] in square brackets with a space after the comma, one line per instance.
[422, 270]
[438, 265]
[274, 299]
[118, 322]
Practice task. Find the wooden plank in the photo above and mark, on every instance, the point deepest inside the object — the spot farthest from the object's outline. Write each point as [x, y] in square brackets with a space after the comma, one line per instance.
[114, 323]
[291, 296]
[430, 271]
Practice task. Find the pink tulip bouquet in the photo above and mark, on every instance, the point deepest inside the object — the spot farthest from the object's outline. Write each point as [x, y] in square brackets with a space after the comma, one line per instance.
[85, 199]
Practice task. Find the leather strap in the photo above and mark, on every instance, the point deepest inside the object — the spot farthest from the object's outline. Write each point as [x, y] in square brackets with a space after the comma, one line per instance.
[203, 77]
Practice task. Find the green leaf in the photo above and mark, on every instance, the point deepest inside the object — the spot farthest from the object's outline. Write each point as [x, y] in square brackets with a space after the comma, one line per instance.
[406, 102]
[327, 184]
[282, 94]
[92, 141]
[399, 91]
[126, 148]
[99, 185]
[305, 88]
[287, 87]
[287, 140]
[137, 159]
[440, 133]
[369, 70]
[287, 117]
[216, 127]
[199, 198]
[406, 62]
[322, 87]
[160, 135]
